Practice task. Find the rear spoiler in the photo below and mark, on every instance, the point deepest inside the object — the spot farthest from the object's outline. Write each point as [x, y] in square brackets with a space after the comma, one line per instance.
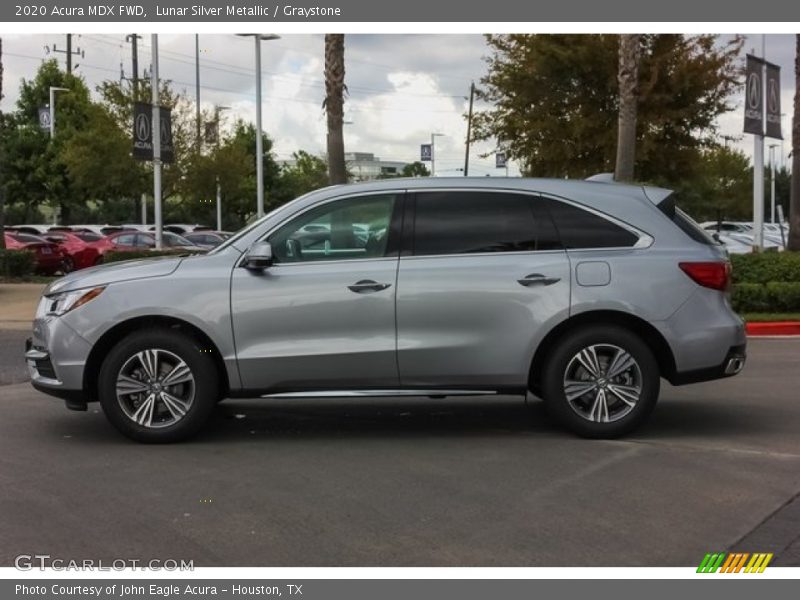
[656, 195]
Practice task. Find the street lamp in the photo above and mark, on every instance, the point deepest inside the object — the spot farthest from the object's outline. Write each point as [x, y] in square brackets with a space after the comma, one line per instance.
[433, 152]
[218, 109]
[259, 37]
[53, 90]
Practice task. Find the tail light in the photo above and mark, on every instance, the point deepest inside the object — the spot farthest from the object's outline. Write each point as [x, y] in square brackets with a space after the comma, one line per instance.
[714, 275]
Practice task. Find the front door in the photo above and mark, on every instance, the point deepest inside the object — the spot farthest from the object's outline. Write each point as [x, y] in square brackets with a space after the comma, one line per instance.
[323, 316]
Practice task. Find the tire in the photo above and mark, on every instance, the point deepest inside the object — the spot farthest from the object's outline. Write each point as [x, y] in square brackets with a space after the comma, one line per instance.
[581, 363]
[178, 410]
[67, 266]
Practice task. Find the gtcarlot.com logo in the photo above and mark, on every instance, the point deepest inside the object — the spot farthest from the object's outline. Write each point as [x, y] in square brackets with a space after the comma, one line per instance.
[735, 562]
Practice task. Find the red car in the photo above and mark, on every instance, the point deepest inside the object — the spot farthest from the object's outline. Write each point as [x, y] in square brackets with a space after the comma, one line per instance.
[50, 258]
[82, 249]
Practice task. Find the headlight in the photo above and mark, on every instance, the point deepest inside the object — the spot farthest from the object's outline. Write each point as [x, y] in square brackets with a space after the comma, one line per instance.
[60, 304]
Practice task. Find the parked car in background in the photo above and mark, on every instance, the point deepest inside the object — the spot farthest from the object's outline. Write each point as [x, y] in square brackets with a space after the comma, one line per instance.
[98, 229]
[49, 257]
[130, 241]
[31, 229]
[181, 228]
[79, 252]
[207, 239]
[585, 294]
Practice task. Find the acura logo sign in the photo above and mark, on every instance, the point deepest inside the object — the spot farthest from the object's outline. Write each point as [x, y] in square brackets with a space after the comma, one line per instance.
[142, 127]
[754, 91]
[773, 96]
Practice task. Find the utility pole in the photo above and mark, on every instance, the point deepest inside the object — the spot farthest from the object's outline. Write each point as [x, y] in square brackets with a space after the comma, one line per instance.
[218, 109]
[197, 88]
[469, 127]
[133, 39]
[69, 52]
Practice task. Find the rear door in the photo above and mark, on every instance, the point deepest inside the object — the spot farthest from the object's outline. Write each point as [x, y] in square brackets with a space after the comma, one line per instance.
[481, 274]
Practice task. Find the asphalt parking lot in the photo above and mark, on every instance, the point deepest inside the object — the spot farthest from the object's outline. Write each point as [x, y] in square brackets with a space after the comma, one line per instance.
[413, 483]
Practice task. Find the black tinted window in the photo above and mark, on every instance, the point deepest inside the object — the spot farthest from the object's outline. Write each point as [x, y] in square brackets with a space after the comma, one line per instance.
[468, 222]
[579, 228]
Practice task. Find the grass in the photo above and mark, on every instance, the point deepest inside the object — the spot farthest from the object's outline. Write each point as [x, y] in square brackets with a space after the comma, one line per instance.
[760, 317]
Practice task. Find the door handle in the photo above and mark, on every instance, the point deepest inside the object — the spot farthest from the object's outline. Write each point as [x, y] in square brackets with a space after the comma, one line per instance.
[367, 285]
[538, 279]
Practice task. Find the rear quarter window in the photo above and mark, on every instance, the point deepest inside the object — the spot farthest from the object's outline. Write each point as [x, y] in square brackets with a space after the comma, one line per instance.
[578, 228]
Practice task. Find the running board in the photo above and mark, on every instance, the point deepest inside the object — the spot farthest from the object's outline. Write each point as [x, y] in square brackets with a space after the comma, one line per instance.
[379, 393]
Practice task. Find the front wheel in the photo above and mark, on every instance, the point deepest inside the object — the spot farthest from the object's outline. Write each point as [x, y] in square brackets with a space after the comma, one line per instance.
[158, 386]
[601, 382]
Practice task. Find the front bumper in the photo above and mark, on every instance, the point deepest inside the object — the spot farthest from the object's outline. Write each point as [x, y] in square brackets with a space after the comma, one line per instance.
[56, 357]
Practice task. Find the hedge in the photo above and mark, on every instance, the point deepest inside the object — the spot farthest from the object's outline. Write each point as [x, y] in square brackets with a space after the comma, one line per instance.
[776, 296]
[16, 263]
[114, 256]
[765, 267]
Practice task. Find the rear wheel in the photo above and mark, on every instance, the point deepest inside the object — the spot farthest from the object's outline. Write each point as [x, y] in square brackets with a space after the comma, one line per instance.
[157, 386]
[601, 382]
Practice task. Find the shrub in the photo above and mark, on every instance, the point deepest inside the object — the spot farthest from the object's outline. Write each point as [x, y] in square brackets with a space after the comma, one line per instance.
[16, 263]
[783, 295]
[750, 297]
[765, 267]
[114, 256]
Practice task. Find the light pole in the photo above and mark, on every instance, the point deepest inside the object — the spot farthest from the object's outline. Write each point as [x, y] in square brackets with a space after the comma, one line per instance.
[53, 90]
[156, 134]
[218, 109]
[772, 180]
[258, 37]
[433, 152]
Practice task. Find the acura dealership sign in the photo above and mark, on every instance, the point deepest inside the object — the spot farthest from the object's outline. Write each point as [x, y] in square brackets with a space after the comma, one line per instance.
[143, 133]
[762, 98]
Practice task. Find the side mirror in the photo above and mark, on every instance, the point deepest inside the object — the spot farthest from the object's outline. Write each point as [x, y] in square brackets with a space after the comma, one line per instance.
[716, 238]
[259, 256]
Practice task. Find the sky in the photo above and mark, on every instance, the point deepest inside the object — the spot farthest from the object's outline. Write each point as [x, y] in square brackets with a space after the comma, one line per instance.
[401, 88]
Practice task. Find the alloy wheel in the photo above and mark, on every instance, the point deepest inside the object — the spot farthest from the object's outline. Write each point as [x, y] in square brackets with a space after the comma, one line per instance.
[155, 388]
[602, 383]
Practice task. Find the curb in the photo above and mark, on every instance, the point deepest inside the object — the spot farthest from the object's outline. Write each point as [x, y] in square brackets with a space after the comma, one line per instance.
[773, 328]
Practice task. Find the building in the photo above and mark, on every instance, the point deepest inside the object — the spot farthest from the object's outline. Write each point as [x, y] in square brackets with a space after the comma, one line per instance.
[364, 166]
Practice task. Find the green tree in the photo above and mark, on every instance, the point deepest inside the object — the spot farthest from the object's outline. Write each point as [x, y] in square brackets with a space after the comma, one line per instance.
[35, 172]
[723, 189]
[308, 173]
[100, 166]
[416, 169]
[555, 98]
[232, 161]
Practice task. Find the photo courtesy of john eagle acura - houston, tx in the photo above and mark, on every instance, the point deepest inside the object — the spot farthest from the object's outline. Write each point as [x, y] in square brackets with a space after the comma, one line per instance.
[582, 293]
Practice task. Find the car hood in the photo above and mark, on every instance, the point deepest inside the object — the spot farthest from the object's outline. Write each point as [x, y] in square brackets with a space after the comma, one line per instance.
[115, 272]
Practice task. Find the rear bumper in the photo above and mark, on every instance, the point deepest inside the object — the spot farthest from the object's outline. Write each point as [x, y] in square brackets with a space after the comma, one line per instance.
[732, 365]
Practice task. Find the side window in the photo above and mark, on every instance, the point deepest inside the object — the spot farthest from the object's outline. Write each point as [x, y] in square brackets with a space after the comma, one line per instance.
[357, 227]
[128, 239]
[579, 228]
[472, 222]
[145, 241]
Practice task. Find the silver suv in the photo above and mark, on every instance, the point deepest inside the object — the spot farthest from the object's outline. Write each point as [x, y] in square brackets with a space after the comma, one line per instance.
[582, 293]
